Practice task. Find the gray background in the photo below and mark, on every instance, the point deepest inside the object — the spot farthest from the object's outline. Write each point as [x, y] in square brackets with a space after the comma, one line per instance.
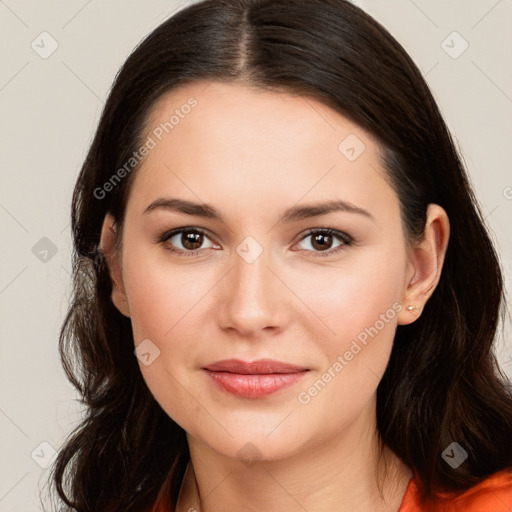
[49, 108]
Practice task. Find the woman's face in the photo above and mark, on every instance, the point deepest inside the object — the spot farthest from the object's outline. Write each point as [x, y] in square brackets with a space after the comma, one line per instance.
[259, 280]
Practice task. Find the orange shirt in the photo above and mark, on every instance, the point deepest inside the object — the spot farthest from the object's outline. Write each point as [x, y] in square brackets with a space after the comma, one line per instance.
[494, 494]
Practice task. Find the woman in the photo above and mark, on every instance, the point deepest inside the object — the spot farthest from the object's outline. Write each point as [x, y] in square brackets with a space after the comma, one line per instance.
[285, 295]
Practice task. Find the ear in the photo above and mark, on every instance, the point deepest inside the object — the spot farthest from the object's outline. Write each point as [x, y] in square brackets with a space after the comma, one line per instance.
[425, 264]
[113, 259]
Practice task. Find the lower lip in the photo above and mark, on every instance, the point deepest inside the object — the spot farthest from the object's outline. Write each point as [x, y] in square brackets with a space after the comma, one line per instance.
[256, 385]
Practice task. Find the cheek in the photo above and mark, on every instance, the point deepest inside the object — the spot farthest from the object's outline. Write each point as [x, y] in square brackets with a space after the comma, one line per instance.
[355, 359]
[352, 297]
[359, 311]
[163, 301]
[161, 297]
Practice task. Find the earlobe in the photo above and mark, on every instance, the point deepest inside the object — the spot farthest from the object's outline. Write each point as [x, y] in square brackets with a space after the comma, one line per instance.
[426, 259]
[113, 260]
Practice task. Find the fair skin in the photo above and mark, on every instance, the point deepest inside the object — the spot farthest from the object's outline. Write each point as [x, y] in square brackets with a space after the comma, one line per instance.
[252, 155]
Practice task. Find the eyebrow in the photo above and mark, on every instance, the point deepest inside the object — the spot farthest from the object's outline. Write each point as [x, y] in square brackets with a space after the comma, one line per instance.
[293, 214]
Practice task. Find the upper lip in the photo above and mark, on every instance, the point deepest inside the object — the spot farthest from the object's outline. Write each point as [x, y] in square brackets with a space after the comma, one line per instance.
[261, 366]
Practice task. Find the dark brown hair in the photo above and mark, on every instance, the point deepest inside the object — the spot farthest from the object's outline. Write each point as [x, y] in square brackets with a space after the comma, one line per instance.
[442, 384]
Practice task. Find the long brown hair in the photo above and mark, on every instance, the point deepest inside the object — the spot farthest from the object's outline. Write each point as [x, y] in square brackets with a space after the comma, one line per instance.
[442, 383]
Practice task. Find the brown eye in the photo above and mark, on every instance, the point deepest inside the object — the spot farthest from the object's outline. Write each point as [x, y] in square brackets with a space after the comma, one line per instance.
[191, 240]
[185, 241]
[322, 241]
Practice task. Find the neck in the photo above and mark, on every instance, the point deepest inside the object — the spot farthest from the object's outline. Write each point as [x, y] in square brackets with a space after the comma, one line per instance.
[340, 474]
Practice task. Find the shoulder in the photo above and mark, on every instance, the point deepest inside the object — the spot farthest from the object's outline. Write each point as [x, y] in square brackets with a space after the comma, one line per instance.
[494, 494]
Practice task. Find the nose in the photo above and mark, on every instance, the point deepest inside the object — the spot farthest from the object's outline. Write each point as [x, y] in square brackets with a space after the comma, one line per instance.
[253, 297]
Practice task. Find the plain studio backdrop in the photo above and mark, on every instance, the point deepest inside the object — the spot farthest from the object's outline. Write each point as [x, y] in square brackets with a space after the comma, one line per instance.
[58, 61]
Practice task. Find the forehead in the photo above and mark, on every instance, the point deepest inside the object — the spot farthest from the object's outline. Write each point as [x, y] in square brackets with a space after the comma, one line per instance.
[216, 139]
[249, 114]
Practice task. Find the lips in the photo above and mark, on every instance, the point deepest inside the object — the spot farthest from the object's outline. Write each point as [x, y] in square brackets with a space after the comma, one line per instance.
[260, 367]
[256, 379]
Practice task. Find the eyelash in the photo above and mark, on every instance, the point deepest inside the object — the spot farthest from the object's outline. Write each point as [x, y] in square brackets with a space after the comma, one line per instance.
[343, 237]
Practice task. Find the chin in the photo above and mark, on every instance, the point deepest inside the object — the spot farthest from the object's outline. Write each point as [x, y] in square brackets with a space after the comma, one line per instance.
[252, 445]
